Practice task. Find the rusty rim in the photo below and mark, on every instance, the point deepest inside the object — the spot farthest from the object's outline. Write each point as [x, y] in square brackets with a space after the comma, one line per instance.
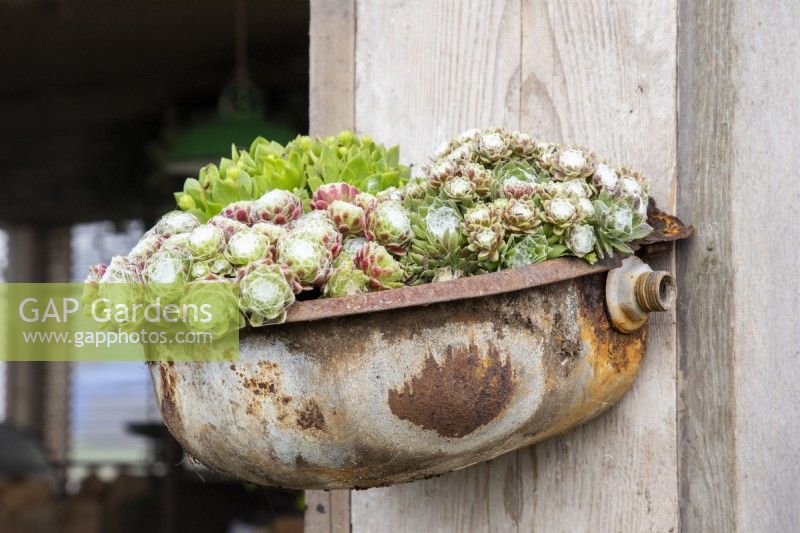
[666, 228]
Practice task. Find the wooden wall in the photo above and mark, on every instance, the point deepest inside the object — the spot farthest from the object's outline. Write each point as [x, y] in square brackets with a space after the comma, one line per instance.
[701, 97]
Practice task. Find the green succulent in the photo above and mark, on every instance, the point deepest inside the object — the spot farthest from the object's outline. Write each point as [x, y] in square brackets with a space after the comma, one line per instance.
[346, 280]
[205, 241]
[222, 307]
[301, 166]
[522, 250]
[265, 295]
[616, 223]
[247, 246]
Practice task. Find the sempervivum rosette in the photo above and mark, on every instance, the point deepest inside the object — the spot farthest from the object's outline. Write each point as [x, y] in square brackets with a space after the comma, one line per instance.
[458, 188]
[581, 241]
[571, 162]
[220, 298]
[389, 225]
[560, 214]
[326, 194]
[273, 232]
[525, 250]
[520, 216]
[276, 206]
[247, 246]
[310, 261]
[377, 263]
[347, 217]
[492, 146]
[175, 222]
[634, 186]
[605, 178]
[165, 274]
[481, 215]
[239, 211]
[205, 241]
[346, 280]
[318, 227]
[265, 295]
[523, 146]
[486, 242]
[616, 223]
[145, 248]
[120, 284]
[438, 240]
[227, 225]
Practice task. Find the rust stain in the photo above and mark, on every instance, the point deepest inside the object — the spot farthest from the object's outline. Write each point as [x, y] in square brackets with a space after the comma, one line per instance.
[456, 397]
[613, 358]
[169, 407]
[310, 416]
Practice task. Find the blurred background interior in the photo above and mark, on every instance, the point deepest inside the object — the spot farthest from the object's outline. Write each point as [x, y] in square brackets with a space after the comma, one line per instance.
[106, 108]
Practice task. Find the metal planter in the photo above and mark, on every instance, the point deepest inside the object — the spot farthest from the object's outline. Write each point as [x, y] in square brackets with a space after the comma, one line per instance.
[390, 387]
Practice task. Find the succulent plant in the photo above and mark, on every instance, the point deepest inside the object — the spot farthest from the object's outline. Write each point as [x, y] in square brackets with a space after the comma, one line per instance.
[520, 171]
[227, 225]
[525, 250]
[492, 146]
[389, 225]
[326, 194]
[581, 241]
[165, 274]
[365, 201]
[222, 317]
[347, 217]
[616, 223]
[265, 295]
[605, 178]
[346, 280]
[246, 246]
[119, 284]
[178, 242]
[318, 227]
[377, 263]
[481, 215]
[302, 166]
[145, 248]
[523, 146]
[458, 188]
[277, 206]
[446, 274]
[309, 260]
[438, 240]
[520, 216]
[205, 241]
[273, 232]
[560, 214]
[175, 222]
[486, 242]
[571, 162]
[239, 211]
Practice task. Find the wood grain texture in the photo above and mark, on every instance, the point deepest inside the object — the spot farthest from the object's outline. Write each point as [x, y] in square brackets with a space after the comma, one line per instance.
[332, 66]
[331, 109]
[739, 341]
[597, 73]
[706, 358]
[766, 253]
[602, 74]
[424, 72]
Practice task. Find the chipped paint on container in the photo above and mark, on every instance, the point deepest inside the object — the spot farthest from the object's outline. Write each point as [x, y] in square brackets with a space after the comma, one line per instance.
[402, 394]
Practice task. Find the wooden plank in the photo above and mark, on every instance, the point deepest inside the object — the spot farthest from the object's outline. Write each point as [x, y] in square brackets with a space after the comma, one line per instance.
[706, 358]
[331, 109]
[332, 66]
[424, 72]
[766, 253]
[602, 74]
[738, 352]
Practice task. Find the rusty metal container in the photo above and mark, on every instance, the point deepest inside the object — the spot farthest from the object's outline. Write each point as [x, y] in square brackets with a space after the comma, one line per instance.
[390, 387]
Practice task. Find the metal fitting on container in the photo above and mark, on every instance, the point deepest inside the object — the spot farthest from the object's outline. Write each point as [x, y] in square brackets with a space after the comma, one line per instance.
[634, 290]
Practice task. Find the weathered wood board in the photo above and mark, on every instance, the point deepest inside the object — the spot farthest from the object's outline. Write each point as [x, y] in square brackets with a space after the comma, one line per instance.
[702, 97]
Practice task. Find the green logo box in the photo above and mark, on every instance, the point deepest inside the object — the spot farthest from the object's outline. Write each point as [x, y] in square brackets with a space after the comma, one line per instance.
[119, 321]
